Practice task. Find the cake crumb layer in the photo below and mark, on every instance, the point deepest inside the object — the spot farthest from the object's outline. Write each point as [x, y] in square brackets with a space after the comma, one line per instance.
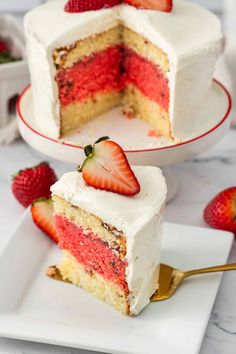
[66, 57]
[93, 283]
[147, 110]
[91, 251]
[76, 114]
[108, 233]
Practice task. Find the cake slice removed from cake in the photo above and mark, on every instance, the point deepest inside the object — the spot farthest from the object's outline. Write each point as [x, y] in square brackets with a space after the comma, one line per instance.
[111, 241]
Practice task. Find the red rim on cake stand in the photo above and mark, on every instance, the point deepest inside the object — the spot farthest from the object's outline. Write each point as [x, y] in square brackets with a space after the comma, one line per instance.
[142, 147]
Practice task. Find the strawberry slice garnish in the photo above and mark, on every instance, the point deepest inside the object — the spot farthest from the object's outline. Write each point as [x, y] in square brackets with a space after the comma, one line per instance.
[106, 167]
[160, 5]
[89, 5]
[42, 215]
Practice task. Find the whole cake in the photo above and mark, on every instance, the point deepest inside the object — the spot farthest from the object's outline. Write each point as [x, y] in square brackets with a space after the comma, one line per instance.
[109, 220]
[158, 65]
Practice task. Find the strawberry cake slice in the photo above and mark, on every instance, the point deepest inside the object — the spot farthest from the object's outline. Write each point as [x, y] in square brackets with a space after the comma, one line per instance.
[154, 58]
[109, 220]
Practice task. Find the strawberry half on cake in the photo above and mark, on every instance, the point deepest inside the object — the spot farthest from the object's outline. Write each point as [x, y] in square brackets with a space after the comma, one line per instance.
[109, 218]
[154, 58]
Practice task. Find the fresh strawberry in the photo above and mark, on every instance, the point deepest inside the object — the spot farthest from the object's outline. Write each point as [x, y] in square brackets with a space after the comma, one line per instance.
[160, 5]
[3, 46]
[33, 183]
[89, 5]
[106, 167]
[220, 213]
[42, 215]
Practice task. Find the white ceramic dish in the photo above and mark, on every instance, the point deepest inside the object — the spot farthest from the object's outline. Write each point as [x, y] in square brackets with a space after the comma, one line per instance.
[37, 308]
[14, 76]
[132, 134]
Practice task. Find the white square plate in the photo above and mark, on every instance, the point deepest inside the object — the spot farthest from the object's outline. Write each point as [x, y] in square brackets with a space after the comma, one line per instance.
[37, 308]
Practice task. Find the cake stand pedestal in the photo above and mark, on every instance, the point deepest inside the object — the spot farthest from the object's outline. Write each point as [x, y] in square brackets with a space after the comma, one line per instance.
[140, 146]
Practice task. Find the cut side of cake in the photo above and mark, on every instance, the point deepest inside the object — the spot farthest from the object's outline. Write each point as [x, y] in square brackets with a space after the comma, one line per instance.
[110, 69]
[111, 243]
[158, 66]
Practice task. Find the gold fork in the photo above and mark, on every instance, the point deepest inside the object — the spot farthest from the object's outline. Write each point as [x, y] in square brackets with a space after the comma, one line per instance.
[170, 278]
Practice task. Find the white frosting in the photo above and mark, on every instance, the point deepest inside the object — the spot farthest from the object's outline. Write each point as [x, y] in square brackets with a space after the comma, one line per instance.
[139, 217]
[190, 35]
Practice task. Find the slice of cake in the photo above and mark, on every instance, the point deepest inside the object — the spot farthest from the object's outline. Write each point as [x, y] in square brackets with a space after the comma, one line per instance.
[158, 65]
[111, 233]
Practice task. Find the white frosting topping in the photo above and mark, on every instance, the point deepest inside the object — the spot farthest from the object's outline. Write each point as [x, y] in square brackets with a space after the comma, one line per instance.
[190, 35]
[139, 217]
[187, 28]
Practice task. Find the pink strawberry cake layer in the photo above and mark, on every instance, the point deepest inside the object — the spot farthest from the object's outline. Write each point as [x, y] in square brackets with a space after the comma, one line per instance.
[112, 69]
[90, 251]
[147, 78]
[111, 242]
[95, 73]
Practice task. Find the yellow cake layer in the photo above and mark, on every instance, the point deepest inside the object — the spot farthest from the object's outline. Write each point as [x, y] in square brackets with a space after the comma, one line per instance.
[77, 114]
[146, 49]
[108, 233]
[67, 56]
[147, 110]
[93, 283]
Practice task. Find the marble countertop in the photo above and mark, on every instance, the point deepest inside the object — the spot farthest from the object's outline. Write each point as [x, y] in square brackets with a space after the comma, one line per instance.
[200, 179]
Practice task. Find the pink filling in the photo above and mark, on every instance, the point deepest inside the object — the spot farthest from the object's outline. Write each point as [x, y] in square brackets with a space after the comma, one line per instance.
[148, 78]
[109, 70]
[95, 73]
[89, 250]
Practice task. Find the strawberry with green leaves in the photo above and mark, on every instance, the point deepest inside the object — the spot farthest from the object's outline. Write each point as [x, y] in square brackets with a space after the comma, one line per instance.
[5, 53]
[106, 167]
[33, 183]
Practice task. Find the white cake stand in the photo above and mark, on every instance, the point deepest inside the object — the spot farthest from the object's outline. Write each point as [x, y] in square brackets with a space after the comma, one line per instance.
[132, 134]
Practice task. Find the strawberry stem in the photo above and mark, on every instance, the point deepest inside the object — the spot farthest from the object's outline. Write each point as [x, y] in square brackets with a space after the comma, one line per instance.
[89, 151]
[102, 139]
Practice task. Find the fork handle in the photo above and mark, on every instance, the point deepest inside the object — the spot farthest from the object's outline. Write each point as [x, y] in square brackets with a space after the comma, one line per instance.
[219, 268]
